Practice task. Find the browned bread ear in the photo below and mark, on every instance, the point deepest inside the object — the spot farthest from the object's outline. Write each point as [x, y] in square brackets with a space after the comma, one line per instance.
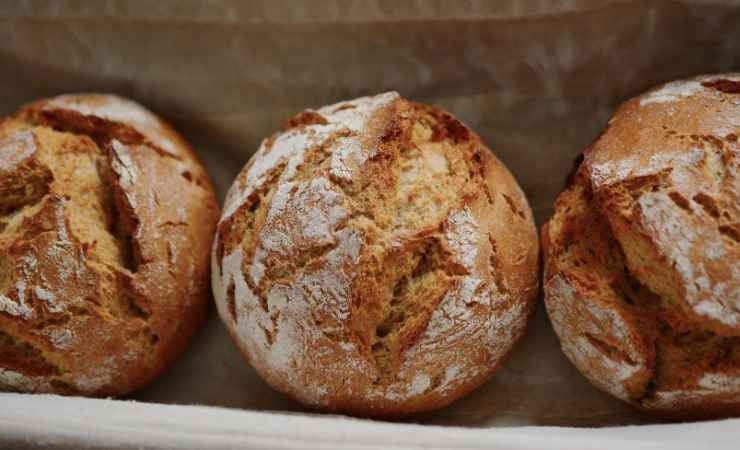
[375, 258]
[642, 256]
[106, 219]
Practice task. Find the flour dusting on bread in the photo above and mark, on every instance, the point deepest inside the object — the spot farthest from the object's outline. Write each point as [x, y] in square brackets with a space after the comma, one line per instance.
[351, 265]
[16, 148]
[647, 234]
[672, 92]
[105, 228]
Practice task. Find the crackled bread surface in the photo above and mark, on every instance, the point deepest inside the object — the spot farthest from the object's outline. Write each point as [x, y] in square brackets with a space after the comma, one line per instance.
[642, 256]
[106, 221]
[375, 258]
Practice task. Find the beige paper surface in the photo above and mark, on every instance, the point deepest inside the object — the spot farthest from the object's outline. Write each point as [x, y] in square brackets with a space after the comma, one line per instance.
[537, 80]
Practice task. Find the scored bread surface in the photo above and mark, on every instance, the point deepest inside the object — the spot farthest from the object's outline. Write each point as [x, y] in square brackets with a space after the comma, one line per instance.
[106, 220]
[642, 264]
[375, 258]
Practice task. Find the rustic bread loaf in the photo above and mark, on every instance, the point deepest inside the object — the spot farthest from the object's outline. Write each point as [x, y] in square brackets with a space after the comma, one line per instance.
[375, 258]
[106, 221]
[642, 255]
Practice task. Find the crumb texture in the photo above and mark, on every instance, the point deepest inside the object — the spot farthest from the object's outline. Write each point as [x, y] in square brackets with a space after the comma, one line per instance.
[105, 217]
[375, 258]
[642, 273]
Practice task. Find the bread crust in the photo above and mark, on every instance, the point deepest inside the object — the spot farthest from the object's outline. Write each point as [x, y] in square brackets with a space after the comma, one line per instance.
[375, 258]
[106, 222]
[642, 264]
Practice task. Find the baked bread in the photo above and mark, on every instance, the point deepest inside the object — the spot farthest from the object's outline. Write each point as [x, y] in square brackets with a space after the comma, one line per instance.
[106, 222]
[642, 256]
[375, 258]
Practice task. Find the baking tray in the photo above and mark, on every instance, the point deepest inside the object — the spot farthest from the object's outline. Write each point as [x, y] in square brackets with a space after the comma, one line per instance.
[537, 80]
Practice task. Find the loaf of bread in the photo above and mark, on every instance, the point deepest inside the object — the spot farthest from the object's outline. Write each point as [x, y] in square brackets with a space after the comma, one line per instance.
[375, 258]
[106, 223]
[642, 255]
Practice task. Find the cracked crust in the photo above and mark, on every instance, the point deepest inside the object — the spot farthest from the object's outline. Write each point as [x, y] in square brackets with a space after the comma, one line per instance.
[106, 218]
[642, 256]
[375, 258]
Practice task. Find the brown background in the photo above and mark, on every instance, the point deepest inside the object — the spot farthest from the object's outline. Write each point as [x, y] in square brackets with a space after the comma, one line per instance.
[537, 79]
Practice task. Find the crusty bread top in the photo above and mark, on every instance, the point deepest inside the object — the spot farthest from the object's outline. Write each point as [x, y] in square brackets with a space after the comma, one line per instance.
[375, 258]
[642, 262]
[105, 223]
[667, 168]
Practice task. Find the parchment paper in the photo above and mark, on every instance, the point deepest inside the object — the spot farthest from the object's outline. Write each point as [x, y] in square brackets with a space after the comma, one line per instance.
[537, 80]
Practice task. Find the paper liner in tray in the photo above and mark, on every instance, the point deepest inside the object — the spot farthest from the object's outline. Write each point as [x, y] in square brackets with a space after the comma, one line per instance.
[536, 80]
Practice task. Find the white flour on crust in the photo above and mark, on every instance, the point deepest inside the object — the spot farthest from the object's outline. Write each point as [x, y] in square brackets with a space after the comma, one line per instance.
[463, 237]
[16, 380]
[18, 309]
[117, 109]
[348, 157]
[354, 114]
[613, 374]
[290, 147]
[124, 167]
[719, 387]
[301, 216]
[15, 149]
[454, 321]
[637, 166]
[294, 305]
[677, 237]
[672, 92]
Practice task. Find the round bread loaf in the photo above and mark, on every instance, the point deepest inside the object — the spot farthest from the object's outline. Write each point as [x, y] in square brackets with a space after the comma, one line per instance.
[642, 255]
[375, 258]
[106, 222]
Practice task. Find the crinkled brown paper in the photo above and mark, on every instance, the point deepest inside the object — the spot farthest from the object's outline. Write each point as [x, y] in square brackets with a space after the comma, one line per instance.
[537, 80]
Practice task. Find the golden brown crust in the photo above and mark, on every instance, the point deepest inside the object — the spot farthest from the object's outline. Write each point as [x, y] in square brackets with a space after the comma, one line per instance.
[642, 264]
[375, 258]
[106, 218]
